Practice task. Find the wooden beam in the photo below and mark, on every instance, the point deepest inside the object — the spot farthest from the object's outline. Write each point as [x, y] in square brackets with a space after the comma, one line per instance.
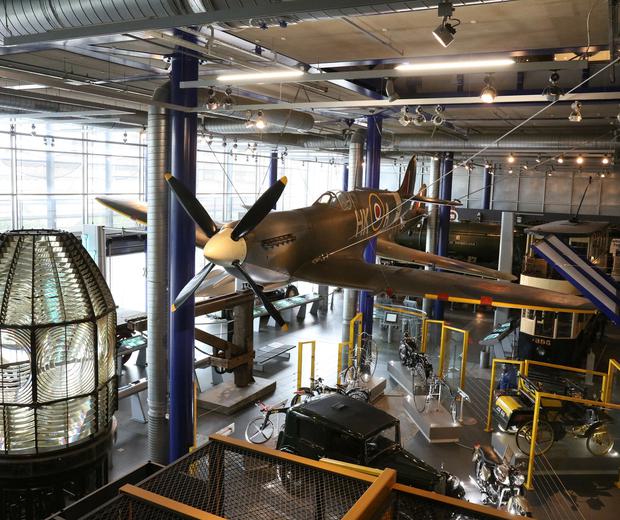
[212, 340]
[233, 362]
[374, 502]
[228, 301]
[165, 503]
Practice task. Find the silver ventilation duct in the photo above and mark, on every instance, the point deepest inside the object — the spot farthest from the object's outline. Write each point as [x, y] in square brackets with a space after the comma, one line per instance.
[158, 144]
[542, 143]
[274, 120]
[21, 18]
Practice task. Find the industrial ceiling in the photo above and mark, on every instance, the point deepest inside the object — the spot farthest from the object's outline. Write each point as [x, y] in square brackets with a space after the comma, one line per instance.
[94, 60]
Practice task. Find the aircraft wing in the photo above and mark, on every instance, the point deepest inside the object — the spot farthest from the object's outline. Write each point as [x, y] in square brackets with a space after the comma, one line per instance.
[389, 249]
[136, 210]
[344, 270]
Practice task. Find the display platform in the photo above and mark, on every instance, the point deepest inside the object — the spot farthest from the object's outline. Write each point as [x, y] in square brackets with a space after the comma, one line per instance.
[376, 387]
[436, 423]
[401, 375]
[568, 456]
[226, 398]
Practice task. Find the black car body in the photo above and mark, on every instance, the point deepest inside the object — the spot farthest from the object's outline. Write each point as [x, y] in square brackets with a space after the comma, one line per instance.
[338, 427]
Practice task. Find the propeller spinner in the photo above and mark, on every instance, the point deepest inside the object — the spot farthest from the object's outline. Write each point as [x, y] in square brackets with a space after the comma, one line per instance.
[227, 247]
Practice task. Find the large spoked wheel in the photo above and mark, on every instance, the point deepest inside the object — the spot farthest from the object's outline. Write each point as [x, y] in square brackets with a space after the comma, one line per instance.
[420, 388]
[350, 375]
[600, 442]
[544, 437]
[369, 358]
[259, 430]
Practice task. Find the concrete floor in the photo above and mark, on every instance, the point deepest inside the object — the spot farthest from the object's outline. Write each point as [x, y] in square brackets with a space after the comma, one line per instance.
[577, 497]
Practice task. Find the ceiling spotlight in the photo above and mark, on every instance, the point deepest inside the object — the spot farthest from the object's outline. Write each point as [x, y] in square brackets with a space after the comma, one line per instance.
[510, 171]
[575, 115]
[511, 158]
[33, 129]
[228, 100]
[419, 120]
[538, 159]
[602, 175]
[489, 93]
[579, 159]
[391, 91]
[435, 157]
[260, 122]
[553, 91]
[212, 103]
[560, 159]
[605, 159]
[405, 118]
[525, 166]
[446, 31]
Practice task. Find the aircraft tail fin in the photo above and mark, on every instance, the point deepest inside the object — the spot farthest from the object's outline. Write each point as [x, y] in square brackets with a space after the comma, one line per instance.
[408, 182]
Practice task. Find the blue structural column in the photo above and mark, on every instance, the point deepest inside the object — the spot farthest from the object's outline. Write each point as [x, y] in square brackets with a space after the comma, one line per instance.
[371, 180]
[445, 192]
[345, 177]
[182, 259]
[486, 193]
[273, 170]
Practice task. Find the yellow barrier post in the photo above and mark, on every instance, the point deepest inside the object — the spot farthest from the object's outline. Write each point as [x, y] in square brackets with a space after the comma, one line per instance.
[442, 347]
[492, 385]
[300, 359]
[613, 366]
[464, 358]
[529, 484]
[424, 333]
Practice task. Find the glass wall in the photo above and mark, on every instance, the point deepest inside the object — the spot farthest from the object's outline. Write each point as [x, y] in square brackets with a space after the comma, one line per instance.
[51, 174]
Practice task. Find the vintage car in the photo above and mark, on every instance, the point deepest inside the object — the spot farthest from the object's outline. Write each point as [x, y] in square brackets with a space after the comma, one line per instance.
[338, 427]
[514, 411]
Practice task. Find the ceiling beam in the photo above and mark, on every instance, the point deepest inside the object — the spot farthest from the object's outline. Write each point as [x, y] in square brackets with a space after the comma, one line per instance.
[311, 9]
[389, 73]
[460, 100]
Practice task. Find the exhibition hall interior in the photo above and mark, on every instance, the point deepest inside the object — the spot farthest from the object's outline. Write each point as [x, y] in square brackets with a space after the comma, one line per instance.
[309, 260]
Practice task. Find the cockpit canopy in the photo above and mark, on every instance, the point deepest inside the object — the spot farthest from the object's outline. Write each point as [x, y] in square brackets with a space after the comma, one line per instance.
[335, 199]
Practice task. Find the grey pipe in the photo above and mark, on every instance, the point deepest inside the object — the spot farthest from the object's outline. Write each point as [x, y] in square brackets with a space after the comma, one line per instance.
[431, 229]
[511, 143]
[158, 144]
[290, 120]
[39, 16]
[356, 156]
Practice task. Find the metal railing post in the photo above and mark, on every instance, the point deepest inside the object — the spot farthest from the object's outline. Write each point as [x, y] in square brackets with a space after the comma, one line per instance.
[529, 484]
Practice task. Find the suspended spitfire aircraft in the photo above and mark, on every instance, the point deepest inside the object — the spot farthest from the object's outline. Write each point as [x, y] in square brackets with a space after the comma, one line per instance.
[324, 244]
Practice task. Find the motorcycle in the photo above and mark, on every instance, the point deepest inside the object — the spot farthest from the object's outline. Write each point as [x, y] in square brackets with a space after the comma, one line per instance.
[500, 483]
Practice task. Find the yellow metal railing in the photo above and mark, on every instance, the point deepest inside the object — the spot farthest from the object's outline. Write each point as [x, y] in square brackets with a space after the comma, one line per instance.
[425, 325]
[300, 359]
[611, 372]
[529, 483]
[492, 387]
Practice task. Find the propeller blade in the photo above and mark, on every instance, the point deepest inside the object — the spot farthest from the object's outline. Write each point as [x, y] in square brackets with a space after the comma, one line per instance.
[192, 206]
[191, 286]
[273, 312]
[259, 210]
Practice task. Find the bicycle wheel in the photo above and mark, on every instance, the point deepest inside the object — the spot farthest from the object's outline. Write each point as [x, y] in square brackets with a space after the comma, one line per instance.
[259, 430]
[359, 394]
[420, 388]
[454, 410]
[350, 375]
[544, 437]
[599, 442]
[369, 358]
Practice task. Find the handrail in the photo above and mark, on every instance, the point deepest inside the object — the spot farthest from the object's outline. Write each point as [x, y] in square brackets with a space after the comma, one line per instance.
[300, 359]
[401, 310]
[374, 500]
[529, 484]
[613, 365]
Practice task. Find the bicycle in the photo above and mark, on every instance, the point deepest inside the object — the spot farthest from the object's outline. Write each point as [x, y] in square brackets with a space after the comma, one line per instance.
[261, 429]
[318, 387]
[423, 396]
[362, 362]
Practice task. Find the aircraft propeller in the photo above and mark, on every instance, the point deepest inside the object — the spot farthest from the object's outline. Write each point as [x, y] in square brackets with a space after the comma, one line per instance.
[226, 246]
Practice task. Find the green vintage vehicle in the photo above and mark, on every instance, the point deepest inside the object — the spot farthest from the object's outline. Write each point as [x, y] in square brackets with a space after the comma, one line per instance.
[338, 427]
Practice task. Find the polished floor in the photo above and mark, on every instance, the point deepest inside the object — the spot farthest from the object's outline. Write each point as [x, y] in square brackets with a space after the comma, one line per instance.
[572, 497]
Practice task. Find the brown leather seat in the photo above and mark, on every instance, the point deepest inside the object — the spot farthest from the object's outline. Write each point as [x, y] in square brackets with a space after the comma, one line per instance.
[489, 455]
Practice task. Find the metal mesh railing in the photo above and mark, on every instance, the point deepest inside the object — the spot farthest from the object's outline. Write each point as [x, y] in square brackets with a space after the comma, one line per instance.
[128, 508]
[237, 483]
[406, 506]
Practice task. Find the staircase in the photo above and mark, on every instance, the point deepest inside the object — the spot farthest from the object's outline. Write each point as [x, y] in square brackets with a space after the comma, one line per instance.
[591, 282]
